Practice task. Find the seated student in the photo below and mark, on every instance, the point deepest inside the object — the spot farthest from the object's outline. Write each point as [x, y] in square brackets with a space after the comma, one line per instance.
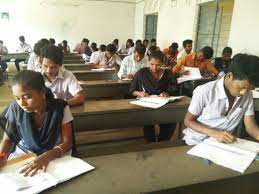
[218, 107]
[129, 46]
[3, 52]
[35, 123]
[154, 44]
[171, 55]
[200, 59]
[34, 62]
[138, 42]
[95, 53]
[23, 48]
[109, 58]
[222, 63]
[102, 48]
[62, 82]
[145, 42]
[154, 80]
[80, 48]
[52, 41]
[131, 64]
[187, 49]
[65, 47]
[120, 48]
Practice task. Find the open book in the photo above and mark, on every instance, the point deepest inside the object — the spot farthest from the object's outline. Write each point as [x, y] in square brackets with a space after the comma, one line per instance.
[236, 156]
[58, 170]
[154, 101]
[194, 74]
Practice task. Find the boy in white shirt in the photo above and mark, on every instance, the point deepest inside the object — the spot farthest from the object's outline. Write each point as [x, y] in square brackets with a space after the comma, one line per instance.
[131, 64]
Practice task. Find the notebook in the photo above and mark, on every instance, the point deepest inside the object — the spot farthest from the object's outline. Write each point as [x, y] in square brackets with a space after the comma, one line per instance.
[58, 170]
[237, 156]
[194, 74]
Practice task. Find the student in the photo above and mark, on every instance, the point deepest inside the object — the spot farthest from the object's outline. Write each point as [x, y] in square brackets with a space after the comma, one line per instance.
[154, 80]
[3, 52]
[138, 42]
[222, 63]
[52, 41]
[81, 48]
[200, 59]
[35, 123]
[109, 59]
[129, 46]
[187, 49]
[65, 47]
[102, 48]
[218, 107]
[34, 62]
[145, 42]
[171, 55]
[23, 48]
[62, 82]
[95, 53]
[131, 64]
[154, 44]
[116, 43]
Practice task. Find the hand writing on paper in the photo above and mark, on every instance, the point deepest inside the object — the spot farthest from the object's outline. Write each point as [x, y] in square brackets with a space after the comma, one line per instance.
[143, 94]
[224, 137]
[183, 71]
[164, 95]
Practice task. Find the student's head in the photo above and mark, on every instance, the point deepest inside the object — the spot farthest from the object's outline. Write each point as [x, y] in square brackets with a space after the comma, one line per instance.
[64, 43]
[129, 43]
[156, 60]
[173, 48]
[139, 52]
[138, 42]
[243, 74]
[52, 41]
[1, 42]
[21, 39]
[52, 60]
[102, 48]
[187, 45]
[145, 42]
[110, 50]
[204, 53]
[85, 42]
[29, 90]
[153, 42]
[116, 42]
[227, 53]
[37, 49]
[94, 47]
[151, 49]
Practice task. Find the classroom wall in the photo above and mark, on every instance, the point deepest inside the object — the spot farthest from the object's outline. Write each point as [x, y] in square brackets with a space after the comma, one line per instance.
[98, 20]
[244, 32]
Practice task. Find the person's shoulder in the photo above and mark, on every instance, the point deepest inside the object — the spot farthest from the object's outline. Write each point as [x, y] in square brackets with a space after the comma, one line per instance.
[66, 73]
[207, 88]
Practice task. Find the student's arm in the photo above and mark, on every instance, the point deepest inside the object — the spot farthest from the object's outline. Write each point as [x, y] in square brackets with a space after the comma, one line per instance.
[212, 69]
[136, 89]
[251, 126]
[42, 161]
[177, 68]
[77, 99]
[5, 147]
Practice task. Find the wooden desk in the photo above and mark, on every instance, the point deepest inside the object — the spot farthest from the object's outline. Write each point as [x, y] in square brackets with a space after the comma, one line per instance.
[110, 114]
[106, 88]
[73, 61]
[16, 56]
[72, 57]
[156, 170]
[89, 75]
[79, 67]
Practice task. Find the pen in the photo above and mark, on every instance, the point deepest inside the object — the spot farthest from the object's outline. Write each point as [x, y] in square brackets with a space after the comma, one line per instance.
[143, 88]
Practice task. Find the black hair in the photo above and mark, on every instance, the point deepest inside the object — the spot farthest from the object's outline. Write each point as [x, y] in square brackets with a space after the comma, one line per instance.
[94, 46]
[46, 41]
[33, 80]
[140, 49]
[21, 38]
[52, 41]
[64, 42]
[245, 67]
[54, 53]
[102, 47]
[39, 45]
[172, 49]
[131, 43]
[138, 42]
[111, 48]
[185, 42]
[227, 50]
[151, 49]
[1, 42]
[85, 40]
[153, 40]
[174, 45]
[207, 52]
[115, 41]
[157, 55]
[146, 40]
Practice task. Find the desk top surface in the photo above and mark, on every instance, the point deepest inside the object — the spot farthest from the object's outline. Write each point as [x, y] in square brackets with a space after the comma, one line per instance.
[145, 171]
[105, 82]
[121, 105]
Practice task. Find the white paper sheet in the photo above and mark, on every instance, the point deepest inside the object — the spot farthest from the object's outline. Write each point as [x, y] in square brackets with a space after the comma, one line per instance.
[194, 74]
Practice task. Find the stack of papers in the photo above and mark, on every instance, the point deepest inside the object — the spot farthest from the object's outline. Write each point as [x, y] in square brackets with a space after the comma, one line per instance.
[154, 101]
[237, 156]
[102, 69]
[194, 74]
[58, 170]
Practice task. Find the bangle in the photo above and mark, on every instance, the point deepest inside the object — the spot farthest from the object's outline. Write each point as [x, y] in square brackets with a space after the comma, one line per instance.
[60, 149]
[3, 155]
